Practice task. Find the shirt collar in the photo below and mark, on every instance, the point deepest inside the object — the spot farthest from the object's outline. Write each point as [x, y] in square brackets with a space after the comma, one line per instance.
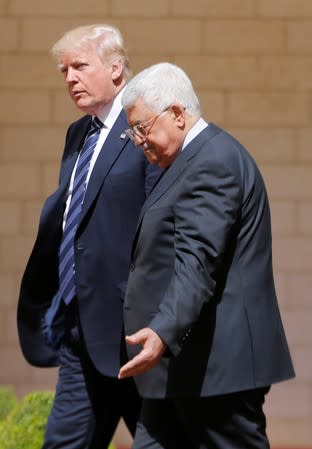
[111, 112]
[194, 131]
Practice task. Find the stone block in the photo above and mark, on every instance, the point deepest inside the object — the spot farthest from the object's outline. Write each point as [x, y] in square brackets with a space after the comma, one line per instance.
[40, 33]
[31, 213]
[304, 144]
[39, 72]
[70, 8]
[241, 37]
[50, 177]
[167, 36]
[297, 324]
[299, 36]
[288, 400]
[298, 289]
[302, 359]
[10, 217]
[275, 145]
[287, 181]
[16, 369]
[220, 72]
[285, 72]
[271, 109]
[22, 107]
[9, 287]
[292, 254]
[212, 105]
[3, 5]
[8, 34]
[32, 144]
[305, 217]
[140, 8]
[284, 217]
[14, 253]
[290, 433]
[212, 8]
[285, 8]
[19, 181]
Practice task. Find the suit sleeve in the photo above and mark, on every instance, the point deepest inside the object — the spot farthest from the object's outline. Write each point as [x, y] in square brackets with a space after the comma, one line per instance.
[205, 214]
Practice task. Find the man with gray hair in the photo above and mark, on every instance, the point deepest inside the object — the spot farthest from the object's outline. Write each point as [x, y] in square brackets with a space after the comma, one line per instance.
[204, 333]
[70, 305]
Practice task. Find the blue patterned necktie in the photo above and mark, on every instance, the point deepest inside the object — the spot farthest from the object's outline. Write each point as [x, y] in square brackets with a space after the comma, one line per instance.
[67, 290]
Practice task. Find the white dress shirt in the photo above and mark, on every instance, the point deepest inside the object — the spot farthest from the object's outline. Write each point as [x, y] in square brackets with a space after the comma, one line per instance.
[194, 131]
[108, 117]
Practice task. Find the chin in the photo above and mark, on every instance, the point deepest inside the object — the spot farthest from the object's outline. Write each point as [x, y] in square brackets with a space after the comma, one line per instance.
[152, 159]
[84, 106]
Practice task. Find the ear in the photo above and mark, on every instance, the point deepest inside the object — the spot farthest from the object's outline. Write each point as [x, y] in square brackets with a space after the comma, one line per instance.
[178, 112]
[116, 69]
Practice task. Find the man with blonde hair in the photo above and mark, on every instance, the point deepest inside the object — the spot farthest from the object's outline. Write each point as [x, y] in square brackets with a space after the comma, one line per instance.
[70, 305]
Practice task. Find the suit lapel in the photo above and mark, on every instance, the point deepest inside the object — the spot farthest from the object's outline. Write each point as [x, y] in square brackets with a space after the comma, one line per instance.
[174, 171]
[113, 146]
[74, 144]
[56, 201]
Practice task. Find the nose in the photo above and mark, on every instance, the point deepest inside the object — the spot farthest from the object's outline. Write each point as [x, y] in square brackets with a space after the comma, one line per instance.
[139, 140]
[70, 75]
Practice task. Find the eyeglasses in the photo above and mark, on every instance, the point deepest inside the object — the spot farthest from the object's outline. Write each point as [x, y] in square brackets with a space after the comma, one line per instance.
[142, 130]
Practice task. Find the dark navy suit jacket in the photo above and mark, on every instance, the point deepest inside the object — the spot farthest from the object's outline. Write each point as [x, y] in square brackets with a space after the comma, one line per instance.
[201, 276]
[117, 189]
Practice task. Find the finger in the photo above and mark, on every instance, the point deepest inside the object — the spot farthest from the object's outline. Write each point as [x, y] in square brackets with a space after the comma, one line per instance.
[133, 367]
[137, 338]
[132, 339]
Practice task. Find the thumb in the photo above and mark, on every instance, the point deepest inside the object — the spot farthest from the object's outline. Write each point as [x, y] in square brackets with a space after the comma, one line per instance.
[137, 338]
[133, 339]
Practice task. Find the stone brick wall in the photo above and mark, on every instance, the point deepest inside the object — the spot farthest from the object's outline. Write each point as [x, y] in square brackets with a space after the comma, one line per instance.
[251, 63]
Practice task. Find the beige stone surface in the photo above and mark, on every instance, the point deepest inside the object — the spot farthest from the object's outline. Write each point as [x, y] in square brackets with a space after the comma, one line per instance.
[304, 144]
[288, 180]
[268, 145]
[140, 8]
[305, 218]
[285, 8]
[251, 64]
[8, 34]
[172, 36]
[20, 106]
[213, 8]
[299, 36]
[284, 217]
[269, 108]
[3, 6]
[58, 8]
[243, 37]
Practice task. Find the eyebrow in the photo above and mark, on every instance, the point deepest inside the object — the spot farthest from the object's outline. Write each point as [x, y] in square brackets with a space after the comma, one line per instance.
[72, 63]
[139, 122]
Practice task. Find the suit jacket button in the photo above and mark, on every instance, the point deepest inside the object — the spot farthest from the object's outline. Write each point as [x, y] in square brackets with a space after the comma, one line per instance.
[132, 267]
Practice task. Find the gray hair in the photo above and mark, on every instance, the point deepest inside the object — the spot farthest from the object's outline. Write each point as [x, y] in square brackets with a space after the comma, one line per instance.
[108, 40]
[161, 85]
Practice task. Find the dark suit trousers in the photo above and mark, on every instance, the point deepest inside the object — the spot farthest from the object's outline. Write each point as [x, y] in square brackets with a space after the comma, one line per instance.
[87, 405]
[233, 421]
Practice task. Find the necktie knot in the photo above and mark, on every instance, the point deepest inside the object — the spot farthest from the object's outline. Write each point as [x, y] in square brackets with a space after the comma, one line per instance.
[96, 124]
